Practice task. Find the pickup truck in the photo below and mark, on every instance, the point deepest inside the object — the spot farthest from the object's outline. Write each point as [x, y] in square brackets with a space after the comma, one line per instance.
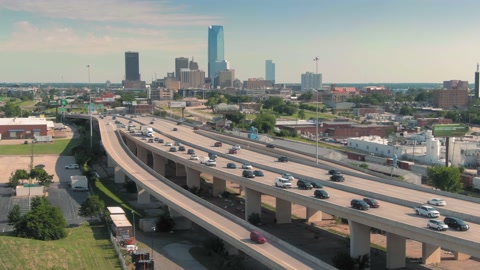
[427, 211]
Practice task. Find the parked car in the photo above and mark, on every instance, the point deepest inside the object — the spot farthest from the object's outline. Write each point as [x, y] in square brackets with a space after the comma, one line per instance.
[456, 223]
[181, 148]
[70, 166]
[437, 225]
[316, 184]
[371, 202]
[359, 204]
[257, 237]
[248, 174]
[231, 165]
[270, 145]
[437, 202]
[193, 157]
[218, 144]
[173, 149]
[246, 166]
[232, 151]
[258, 173]
[321, 194]
[332, 172]
[40, 166]
[283, 159]
[304, 184]
[191, 151]
[288, 176]
[337, 178]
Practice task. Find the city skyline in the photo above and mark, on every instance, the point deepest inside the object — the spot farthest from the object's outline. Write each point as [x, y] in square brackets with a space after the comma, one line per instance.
[356, 41]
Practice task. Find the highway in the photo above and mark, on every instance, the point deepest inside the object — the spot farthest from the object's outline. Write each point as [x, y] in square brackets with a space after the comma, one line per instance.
[391, 217]
[275, 254]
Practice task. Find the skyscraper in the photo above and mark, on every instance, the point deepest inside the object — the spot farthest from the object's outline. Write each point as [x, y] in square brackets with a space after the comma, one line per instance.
[215, 49]
[477, 92]
[180, 62]
[311, 81]
[270, 71]
[132, 66]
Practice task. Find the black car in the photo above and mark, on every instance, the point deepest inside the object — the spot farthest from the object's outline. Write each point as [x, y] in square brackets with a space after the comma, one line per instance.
[191, 151]
[181, 148]
[316, 184]
[304, 184]
[337, 178]
[173, 149]
[371, 202]
[151, 122]
[175, 129]
[359, 204]
[456, 223]
[231, 165]
[258, 173]
[161, 141]
[321, 194]
[248, 174]
[270, 145]
[332, 172]
[179, 123]
[283, 159]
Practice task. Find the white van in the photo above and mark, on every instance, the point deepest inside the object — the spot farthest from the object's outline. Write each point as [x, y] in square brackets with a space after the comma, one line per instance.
[282, 182]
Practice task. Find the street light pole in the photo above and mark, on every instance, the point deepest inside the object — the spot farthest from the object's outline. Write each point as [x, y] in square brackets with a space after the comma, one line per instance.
[90, 109]
[133, 214]
[316, 120]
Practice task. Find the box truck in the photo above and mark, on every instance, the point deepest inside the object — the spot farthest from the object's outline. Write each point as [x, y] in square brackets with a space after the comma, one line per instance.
[147, 131]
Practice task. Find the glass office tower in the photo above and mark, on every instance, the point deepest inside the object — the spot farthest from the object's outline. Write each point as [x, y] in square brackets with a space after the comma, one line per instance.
[270, 71]
[215, 49]
[132, 67]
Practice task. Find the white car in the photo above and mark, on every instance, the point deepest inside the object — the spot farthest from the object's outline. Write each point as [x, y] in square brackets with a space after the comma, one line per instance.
[437, 202]
[288, 176]
[247, 166]
[236, 147]
[437, 225]
[211, 163]
[193, 157]
[72, 166]
[168, 144]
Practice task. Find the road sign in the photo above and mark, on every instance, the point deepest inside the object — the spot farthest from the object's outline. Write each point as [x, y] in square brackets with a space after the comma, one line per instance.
[64, 102]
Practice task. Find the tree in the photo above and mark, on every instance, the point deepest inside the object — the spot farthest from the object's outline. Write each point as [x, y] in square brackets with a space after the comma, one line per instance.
[14, 215]
[272, 102]
[445, 178]
[264, 122]
[14, 179]
[301, 114]
[41, 176]
[91, 207]
[165, 221]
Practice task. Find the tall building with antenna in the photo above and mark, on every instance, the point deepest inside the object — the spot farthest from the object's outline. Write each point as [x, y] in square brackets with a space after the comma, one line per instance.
[477, 94]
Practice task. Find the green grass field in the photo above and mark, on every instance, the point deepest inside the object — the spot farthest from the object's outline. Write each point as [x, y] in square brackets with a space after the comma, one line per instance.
[85, 247]
[60, 146]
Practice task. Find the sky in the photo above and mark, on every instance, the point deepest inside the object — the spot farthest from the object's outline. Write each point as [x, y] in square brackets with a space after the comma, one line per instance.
[356, 41]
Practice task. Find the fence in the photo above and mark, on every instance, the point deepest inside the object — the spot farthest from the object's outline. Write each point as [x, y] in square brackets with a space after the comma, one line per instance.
[118, 250]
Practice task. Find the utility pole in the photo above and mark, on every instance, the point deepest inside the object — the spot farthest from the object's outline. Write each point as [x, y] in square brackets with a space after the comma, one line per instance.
[316, 120]
[90, 109]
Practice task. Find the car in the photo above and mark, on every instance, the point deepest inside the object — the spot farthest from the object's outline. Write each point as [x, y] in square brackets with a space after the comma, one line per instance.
[304, 184]
[217, 144]
[437, 202]
[193, 157]
[168, 144]
[130, 121]
[456, 223]
[181, 148]
[160, 140]
[175, 129]
[359, 204]
[150, 140]
[72, 166]
[248, 174]
[132, 130]
[258, 173]
[151, 122]
[371, 202]
[257, 237]
[25, 142]
[156, 139]
[316, 184]
[191, 151]
[236, 147]
[283, 159]
[212, 155]
[288, 176]
[270, 145]
[173, 149]
[246, 166]
[337, 178]
[232, 151]
[40, 166]
[282, 182]
[195, 128]
[177, 143]
[437, 225]
[144, 137]
[179, 123]
[321, 194]
[231, 165]
[332, 172]
[211, 163]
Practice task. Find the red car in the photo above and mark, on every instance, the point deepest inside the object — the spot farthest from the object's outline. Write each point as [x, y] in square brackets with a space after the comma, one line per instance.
[195, 128]
[232, 151]
[371, 202]
[257, 237]
[218, 144]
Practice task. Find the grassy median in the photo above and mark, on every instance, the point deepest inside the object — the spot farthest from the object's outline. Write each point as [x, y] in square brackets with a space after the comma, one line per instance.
[59, 146]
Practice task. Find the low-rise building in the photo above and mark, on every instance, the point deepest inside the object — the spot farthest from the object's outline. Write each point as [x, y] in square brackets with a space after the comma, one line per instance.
[24, 128]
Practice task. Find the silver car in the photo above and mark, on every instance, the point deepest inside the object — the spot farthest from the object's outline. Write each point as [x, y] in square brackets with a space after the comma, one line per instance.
[437, 225]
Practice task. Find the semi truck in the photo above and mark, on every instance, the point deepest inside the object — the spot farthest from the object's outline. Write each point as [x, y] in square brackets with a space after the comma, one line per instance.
[147, 131]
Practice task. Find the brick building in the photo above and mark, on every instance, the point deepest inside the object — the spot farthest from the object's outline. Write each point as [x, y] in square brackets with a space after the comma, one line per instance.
[24, 128]
[450, 98]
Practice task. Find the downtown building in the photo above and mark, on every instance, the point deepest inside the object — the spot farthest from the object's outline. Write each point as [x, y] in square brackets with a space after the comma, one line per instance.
[216, 53]
[270, 71]
[132, 72]
[311, 81]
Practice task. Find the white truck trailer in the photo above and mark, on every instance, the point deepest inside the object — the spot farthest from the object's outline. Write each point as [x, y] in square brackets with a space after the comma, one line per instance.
[79, 183]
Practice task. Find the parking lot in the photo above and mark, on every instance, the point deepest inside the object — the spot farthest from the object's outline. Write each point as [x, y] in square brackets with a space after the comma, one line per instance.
[59, 192]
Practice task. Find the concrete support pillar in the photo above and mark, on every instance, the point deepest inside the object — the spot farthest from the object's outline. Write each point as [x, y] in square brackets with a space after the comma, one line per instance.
[314, 215]
[180, 170]
[460, 256]
[143, 195]
[219, 186]
[142, 154]
[230, 249]
[396, 251]
[132, 146]
[359, 239]
[431, 254]
[193, 178]
[181, 222]
[119, 175]
[159, 164]
[283, 213]
[253, 202]
[110, 162]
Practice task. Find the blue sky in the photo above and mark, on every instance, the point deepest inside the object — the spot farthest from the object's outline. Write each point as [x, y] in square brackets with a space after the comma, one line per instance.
[356, 41]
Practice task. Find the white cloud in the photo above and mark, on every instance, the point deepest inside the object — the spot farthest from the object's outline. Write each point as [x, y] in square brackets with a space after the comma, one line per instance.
[155, 13]
[28, 37]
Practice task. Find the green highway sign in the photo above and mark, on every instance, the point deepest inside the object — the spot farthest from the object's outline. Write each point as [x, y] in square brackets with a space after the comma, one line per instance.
[449, 130]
